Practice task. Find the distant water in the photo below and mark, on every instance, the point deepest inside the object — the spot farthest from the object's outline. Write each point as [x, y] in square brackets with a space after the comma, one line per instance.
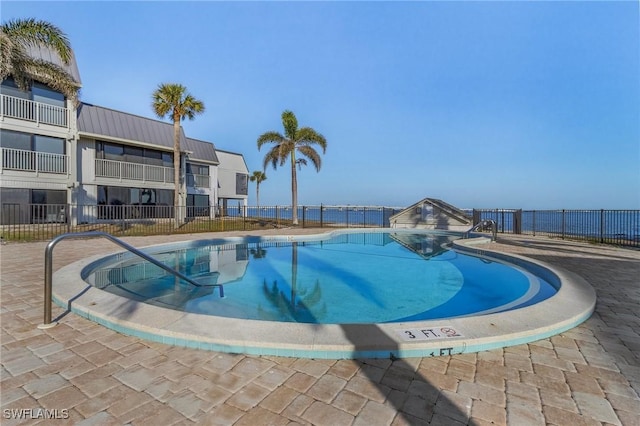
[590, 223]
[340, 215]
[585, 223]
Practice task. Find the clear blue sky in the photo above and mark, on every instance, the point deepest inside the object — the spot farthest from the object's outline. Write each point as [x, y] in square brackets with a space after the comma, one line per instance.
[482, 104]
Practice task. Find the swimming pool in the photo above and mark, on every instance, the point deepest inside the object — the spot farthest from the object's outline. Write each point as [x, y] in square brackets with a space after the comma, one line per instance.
[530, 313]
[348, 278]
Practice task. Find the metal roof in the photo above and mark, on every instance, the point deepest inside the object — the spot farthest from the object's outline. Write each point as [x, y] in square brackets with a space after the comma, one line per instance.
[49, 55]
[201, 150]
[98, 122]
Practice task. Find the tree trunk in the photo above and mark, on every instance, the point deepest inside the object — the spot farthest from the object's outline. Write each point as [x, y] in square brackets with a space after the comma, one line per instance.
[258, 193]
[176, 171]
[294, 189]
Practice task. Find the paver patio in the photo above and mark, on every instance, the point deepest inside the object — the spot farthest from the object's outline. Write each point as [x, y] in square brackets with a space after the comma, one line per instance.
[86, 374]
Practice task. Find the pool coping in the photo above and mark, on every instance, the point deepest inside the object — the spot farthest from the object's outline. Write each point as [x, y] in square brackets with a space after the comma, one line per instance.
[571, 305]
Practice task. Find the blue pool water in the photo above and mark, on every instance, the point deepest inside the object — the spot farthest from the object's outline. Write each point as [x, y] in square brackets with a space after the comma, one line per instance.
[349, 278]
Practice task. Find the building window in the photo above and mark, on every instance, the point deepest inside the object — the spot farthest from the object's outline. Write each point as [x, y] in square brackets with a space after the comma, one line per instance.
[153, 157]
[38, 93]
[133, 154]
[28, 142]
[48, 144]
[15, 140]
[33, 206]
[242, 184]
[15, 205]
[43, 94]
[48, 206]
[197, 169]
[9, 88]
[17, 160]
[197, 205]
[117, 202]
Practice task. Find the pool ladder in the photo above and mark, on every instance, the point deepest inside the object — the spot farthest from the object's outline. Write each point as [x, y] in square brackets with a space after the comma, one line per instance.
[48, 268]
[484, 224]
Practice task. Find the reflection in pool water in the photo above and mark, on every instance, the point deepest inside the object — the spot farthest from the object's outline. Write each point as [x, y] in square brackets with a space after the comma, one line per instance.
[349, 278]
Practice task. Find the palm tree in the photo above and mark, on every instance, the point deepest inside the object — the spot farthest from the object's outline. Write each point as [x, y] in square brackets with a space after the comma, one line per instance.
[294, 140]
[174, 100]
[20, 35]
[258, 177]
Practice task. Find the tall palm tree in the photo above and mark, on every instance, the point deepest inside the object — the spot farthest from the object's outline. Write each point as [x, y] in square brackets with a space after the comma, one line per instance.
[258, 177]
[17, 37]
[173, 100]
[300, 140]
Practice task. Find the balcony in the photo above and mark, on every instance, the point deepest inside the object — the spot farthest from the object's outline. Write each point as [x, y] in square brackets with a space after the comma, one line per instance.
[198, 181]
[123, 170]
[32, 161]
[37, 112]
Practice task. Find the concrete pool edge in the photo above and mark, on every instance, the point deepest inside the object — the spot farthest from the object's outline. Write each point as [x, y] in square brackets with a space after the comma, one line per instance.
[574, 303]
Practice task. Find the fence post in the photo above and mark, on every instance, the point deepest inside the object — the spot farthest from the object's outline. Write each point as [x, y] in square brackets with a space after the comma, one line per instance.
[304, 210]
[244, 218]
[321, 219]
[534, 223]
[68, 214]
[602, 225]
[364, 217]
[563, 224]
[122, 218]
[517, 221]
[277, 217]
[347, 212]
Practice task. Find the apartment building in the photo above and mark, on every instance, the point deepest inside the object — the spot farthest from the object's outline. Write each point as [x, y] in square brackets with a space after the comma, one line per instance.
[63, 161]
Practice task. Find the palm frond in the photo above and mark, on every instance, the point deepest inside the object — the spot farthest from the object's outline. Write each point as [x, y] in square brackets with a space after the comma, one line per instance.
[16, 37]
[284, 150]
[172, 98]
[12, 61]
[258, 177]
[290, 124]
[191, 106]
[309, 136]
[272, 157]
[52, 75]
[312, 155]
[36, 33]
[269, 137]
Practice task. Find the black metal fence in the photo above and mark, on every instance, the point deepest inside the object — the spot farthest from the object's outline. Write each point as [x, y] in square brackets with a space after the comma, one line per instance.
[619, 227]
[34, 222]
[37, 222]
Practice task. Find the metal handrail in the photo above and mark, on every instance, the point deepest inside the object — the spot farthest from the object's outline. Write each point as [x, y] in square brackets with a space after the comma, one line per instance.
[484, 224]
[48, 267]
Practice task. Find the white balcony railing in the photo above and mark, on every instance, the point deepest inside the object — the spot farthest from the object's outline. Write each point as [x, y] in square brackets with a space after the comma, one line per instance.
[133, 171]
[198, 181]
[38, 112]
[32, 161]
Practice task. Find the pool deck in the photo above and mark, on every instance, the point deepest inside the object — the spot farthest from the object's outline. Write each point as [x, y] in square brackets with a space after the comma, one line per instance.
[95, 376]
